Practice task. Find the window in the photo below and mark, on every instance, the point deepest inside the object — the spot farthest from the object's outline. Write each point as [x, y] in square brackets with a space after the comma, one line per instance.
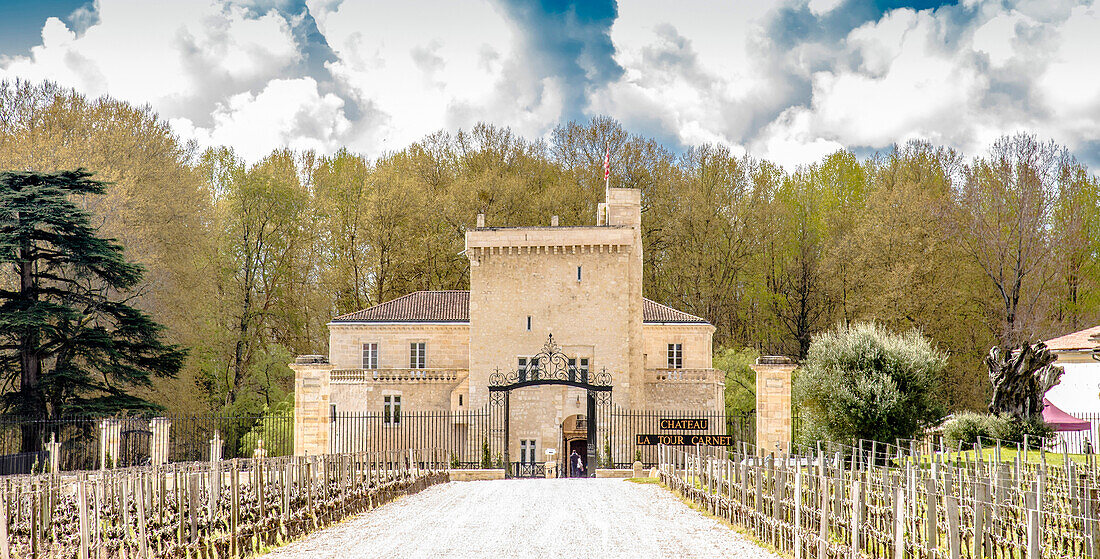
[332, 412]
[460, 399]
[391, 410]
[582, 369]
[578, 273]
[370, 355]
[527, 366]
[527, 451]
[418, 355]
[528, 323]
[675, 356]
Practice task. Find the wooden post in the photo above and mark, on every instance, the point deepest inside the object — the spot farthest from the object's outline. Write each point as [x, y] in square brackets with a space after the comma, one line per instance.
[798, 512]
[980, 495]
[34, 523]
[857, 517]
[1090, 519]
[823, 534]
[953, 538]
[899, 521]
[234, 518]
[82, 496]
[1032, 526]
[97, 491]
[5, 552]
[193, 506]
[931, 528]
[143, 544]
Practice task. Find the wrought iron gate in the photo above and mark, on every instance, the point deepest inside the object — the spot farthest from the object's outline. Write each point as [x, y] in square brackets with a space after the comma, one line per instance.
[552, 367]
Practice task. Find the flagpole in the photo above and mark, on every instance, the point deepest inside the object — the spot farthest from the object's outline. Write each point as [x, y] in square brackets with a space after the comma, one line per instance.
[607, 169]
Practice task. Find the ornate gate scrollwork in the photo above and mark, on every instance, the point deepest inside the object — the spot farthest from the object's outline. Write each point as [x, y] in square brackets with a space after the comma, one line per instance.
[551, 366]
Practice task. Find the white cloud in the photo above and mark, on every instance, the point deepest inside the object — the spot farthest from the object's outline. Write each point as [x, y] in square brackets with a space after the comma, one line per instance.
[181, 57]
[693, 72]
[287, 113]
[917, 75]
[1070, 84]
[423, 65]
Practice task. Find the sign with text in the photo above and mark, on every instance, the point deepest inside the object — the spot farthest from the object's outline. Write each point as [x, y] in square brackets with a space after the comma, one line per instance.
[684, 424]
[687, 440]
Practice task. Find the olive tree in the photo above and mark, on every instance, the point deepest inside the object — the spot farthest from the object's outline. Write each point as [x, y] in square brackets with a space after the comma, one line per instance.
[862, 381]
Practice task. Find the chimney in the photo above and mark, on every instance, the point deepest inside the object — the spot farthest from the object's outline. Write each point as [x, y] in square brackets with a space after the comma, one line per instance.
[480, 220]
[553, 221]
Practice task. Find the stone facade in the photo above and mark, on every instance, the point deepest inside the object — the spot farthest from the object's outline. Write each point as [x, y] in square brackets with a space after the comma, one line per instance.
[582, 285]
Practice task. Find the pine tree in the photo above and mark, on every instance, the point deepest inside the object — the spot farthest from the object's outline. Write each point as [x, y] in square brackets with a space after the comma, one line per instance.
[70, 342]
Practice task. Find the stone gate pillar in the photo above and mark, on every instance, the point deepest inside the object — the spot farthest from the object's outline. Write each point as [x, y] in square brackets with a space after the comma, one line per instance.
[773, 403]
[311, 404]
[158, 443]
[110, 443]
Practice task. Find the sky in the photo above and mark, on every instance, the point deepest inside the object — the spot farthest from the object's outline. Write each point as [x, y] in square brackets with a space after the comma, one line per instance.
[786, 80]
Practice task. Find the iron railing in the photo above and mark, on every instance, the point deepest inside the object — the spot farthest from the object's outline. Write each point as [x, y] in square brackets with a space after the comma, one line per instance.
[472, 438]
[23, 442]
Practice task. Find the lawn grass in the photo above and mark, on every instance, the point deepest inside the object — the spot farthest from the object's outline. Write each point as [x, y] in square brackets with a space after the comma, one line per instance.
[1008, 454]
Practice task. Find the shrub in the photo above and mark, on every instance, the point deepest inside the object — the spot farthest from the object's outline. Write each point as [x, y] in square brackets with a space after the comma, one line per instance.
[740, 379]
[486, 458]
[1034, 427]
[968, 426]
[275, 428]
[864, 382]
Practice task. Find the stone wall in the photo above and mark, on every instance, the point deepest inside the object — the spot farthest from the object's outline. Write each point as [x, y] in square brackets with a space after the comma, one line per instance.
[696, 340]
[685, 396]
[416, 395]
[448, 345]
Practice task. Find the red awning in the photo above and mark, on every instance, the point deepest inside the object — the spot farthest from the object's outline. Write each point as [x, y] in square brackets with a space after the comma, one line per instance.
[1062, 421]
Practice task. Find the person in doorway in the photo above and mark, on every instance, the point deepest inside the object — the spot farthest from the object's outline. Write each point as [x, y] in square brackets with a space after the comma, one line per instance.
[576, 464]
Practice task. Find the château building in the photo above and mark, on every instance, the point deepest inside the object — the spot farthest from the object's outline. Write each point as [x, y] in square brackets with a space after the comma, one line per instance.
[575, 291]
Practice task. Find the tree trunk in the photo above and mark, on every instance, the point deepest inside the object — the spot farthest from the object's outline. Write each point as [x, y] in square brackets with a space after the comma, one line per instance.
[32, 405]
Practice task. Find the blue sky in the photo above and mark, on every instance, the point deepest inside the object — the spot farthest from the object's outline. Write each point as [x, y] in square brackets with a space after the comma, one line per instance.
[789, 80]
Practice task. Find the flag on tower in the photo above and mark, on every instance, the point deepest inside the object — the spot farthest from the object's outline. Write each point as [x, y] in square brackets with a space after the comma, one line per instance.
[607, 165]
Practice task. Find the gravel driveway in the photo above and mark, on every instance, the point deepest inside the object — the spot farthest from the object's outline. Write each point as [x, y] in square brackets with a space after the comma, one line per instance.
[563, 518]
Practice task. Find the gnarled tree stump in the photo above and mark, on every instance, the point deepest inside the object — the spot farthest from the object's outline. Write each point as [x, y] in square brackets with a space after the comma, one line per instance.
[1020, 379]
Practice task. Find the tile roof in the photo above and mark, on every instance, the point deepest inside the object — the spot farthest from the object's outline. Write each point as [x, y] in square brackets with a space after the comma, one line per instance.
[454, 306]
[653, 311]
[1088, 338]
[420, 306]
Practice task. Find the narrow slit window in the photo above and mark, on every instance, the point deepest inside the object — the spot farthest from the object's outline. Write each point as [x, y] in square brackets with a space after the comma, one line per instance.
[528, 323]
[578, 273]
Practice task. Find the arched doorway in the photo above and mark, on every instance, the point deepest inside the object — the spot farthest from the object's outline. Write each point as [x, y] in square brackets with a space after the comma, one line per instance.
[574, 438]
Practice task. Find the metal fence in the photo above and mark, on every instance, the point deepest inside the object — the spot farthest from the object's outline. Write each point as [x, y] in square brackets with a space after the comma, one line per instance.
[471, 438]
[1078, 442]
[475, 438]
[23, 442]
